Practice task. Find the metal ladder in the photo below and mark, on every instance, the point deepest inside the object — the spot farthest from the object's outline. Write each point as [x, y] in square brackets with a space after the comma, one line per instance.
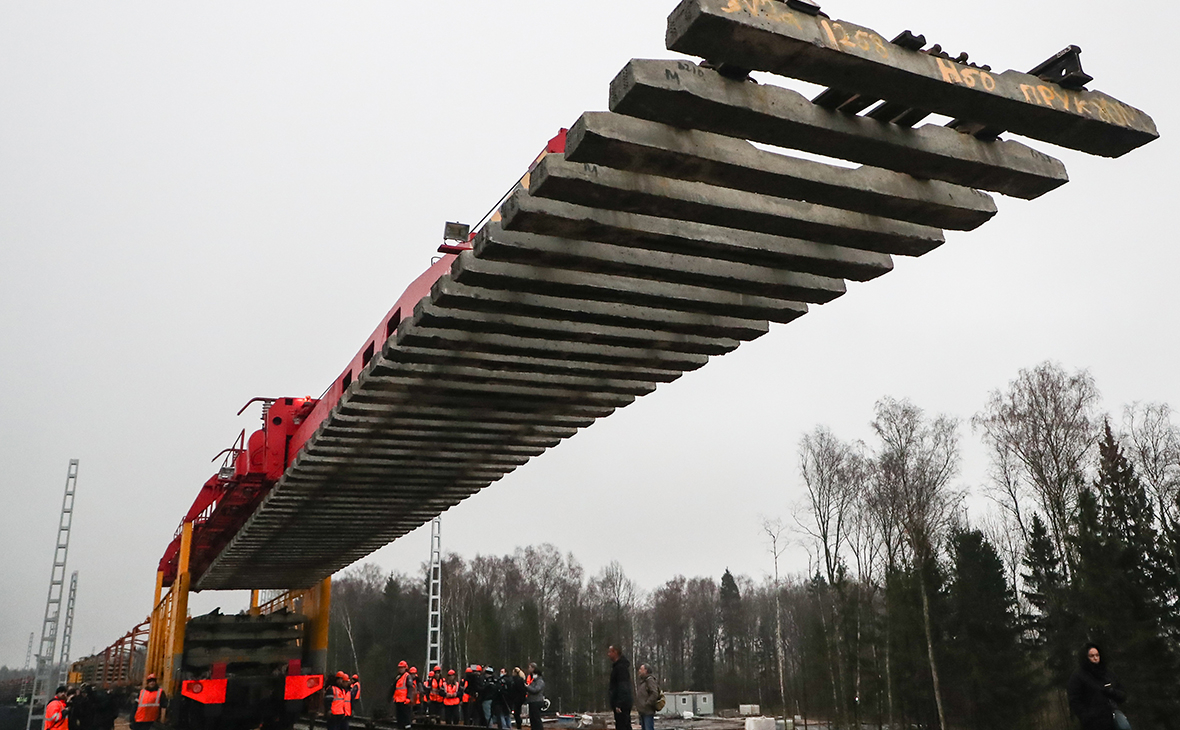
[47, 671]
[67, 630]
[434, 617]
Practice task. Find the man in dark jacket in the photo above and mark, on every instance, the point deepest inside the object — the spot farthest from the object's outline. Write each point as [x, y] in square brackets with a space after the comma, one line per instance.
[514, 695]
[620, 688]
[1094, 692]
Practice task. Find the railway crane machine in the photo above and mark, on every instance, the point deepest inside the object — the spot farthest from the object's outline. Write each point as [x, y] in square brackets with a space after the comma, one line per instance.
[645, 241]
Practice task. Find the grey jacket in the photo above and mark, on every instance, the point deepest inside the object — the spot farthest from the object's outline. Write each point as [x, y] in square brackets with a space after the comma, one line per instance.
[535, 690]
[647, 691]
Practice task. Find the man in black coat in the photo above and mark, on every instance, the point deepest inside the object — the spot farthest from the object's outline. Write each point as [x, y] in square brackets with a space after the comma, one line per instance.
[1094, 692]
[621, 695]
[514, 695]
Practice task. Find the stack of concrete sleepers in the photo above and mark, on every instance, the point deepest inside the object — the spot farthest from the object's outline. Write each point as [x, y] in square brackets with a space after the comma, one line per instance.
[662, 236]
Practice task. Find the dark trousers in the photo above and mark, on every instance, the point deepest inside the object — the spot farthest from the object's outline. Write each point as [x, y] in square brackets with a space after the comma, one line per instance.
[623, 717]
[451, 715]
[404, 712]
[535, 715]
[516, 713]
[336, 722]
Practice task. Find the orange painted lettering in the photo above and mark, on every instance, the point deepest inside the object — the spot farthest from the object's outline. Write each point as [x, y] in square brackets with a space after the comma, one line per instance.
[949, 73]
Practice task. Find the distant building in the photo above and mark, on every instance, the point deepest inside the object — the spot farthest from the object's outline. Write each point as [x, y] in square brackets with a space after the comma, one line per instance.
[677, 703]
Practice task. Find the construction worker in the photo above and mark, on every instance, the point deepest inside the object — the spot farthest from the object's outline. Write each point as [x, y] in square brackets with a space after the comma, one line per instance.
[418, 693]
[434, 688]
[355, 688]
[402, 695]
[55, 711]
[340, 703]
[148, 704]
[451, 712]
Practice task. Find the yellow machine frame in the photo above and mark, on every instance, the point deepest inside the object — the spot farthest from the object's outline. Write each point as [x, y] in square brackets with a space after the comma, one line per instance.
[169, 618]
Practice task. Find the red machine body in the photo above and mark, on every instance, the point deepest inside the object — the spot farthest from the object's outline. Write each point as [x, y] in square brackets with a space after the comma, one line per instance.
[255, 464]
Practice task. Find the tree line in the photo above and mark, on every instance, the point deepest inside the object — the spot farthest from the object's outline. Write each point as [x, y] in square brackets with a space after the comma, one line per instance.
[913, 611]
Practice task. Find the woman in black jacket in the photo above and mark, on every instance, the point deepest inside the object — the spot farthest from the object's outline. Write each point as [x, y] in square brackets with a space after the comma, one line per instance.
[1094, 692]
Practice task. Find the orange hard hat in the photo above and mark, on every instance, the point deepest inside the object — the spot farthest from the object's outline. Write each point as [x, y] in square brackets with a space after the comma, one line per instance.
[151, 676]
[356, 676]
[413, 670]
[402, 664]
[341, 675]
[450, 671]
[478, 668]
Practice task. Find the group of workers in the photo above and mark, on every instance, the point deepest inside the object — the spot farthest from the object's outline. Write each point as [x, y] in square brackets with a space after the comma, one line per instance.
[85, 707]
[480, 697]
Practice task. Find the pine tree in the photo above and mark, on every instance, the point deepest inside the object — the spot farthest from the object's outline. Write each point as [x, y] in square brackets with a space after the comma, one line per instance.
[988, 684]
[1047, 627]
[730, 602]
[1121, 591]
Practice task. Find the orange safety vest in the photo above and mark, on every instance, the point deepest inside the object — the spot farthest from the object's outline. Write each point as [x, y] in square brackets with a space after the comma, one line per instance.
[451, 697]
[55, 715]
[341, 702]
[401, 688]
[435, 694]
[356, 690]
[149, 706]
[418, 687]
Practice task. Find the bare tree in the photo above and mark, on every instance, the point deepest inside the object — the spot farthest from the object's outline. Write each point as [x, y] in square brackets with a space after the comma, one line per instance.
[1153, 444]
[774, 530]
[1041, 432]
[544, 570]
[917, 460]
[1002, 531]
[833, 475]
[865, 545]
[882, 506]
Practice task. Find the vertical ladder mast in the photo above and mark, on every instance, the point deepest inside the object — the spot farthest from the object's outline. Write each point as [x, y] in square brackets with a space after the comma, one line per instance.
[25, 677]
[434, 616]
[67, 630]
[46, 669]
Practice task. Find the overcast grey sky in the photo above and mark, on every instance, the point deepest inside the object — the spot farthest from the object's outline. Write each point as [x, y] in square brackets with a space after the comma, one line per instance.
[202, 203]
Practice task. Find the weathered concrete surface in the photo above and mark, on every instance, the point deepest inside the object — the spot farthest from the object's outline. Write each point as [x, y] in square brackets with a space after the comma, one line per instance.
[708, 252]
[683, 94]
[537, 365]
[542, 347]
[507, 377]
[450, 293]
[609, 288]
[394, 430]
[363, 414]
[637, 145]
[428, 443]
[608, 189]
[389, 390]
[432, 315]
[672, 246]
[766, 35]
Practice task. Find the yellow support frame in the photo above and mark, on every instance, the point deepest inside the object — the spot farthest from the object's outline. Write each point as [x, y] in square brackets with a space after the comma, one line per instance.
[169, 619]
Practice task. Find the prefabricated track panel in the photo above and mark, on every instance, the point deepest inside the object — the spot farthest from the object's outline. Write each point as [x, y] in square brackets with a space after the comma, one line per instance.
[660, 238]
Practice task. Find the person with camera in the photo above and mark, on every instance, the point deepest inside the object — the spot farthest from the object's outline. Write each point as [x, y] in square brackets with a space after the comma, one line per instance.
[534, 693]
